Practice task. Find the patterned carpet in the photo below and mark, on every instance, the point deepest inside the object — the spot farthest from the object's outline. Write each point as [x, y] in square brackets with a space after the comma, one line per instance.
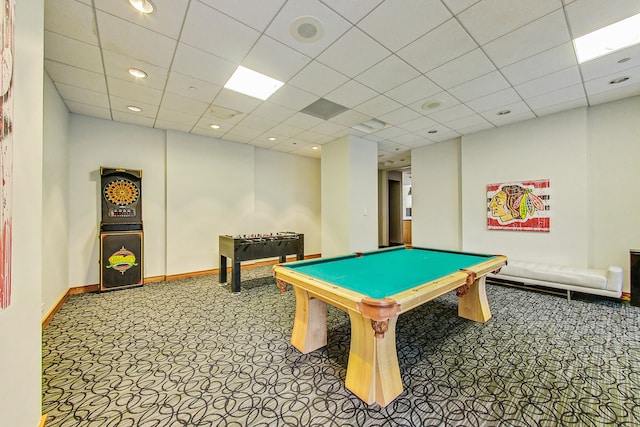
[189, 353]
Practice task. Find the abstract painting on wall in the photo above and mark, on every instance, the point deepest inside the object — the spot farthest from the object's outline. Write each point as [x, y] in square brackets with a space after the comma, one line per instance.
[518, 206]
[6, 147]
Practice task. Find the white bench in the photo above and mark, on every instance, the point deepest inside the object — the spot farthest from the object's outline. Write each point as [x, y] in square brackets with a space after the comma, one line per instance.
[586, 280]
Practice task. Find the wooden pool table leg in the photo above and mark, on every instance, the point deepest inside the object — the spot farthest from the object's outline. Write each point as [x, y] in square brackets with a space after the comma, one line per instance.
[474, 304]
[373, 373]
[310, 324]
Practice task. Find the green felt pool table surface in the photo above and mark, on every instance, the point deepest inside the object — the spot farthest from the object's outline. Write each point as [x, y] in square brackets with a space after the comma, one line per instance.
[383, 273]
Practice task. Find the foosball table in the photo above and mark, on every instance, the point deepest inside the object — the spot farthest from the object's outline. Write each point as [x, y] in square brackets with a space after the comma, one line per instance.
[248, 247]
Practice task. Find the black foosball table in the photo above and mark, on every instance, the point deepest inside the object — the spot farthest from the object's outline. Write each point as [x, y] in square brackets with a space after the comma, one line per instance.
[256, 246]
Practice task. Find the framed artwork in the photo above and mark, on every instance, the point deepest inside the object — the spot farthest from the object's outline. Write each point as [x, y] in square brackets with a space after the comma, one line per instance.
[518, 206]
[6, 147]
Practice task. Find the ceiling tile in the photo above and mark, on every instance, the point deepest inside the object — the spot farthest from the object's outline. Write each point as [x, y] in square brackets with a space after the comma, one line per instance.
[353, 53]
[481, 86]
[133, 119]
[603, 84]
[201, 65]
[462, 124]
[333, 26]
[272, 111]
[88, 110]
[120, 104]
[550, 83]
[74, 76]
[415, 17]
[596, 98]
[291, 97]
[518, 111]
[414, 90]
[457, 6]
[236, 101]
[116, 35]
[349, 118]
[561, 96]
[302, 121]
[378, 106]
[351, 94]
[495, 101]
[585, 16]
[134, 91]
[84, 96]
[169, 125]
[462, 69]
[419, 124]
[489, 19]
[450, 114]
[187, 105]
[71, 19]
[199, 32]
[438, 47]
[318, 79]
[272, 58]
[387, 74]
[556, 108]
[546, 62]
[166, 19]
[257, 15]
[538, 36]
[353, 11]
[72, 52]
[399, 116]
[612, 63]
[116, 65]
[181, 84]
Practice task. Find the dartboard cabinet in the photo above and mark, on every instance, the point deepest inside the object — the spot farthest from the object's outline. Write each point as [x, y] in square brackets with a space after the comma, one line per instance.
[121, 234]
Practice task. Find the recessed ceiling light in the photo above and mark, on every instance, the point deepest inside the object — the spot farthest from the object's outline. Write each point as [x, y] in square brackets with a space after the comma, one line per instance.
[618, 80]
[137, 73]
[134, 108]
[307, 29]
[315, 147]
[430, 105]
[214, 126]
[144, 6]
[503, 112]
[623, 60]
[608, 39]
[271, 138]
[252, 83]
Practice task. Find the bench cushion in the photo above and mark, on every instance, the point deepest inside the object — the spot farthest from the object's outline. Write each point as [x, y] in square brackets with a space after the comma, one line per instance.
[585, 277]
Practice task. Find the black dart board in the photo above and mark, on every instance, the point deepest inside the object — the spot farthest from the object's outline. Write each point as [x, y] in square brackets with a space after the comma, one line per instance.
[121, 199]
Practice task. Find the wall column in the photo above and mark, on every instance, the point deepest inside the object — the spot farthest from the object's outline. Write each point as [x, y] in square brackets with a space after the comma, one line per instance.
[349, 196]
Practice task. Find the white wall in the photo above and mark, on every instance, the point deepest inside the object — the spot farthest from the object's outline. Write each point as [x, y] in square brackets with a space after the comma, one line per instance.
[287, 195]
[20, 351]
[194, 188]
[436, 215]
[613, 179]
[591, 157]
[553, 147]
[55, 198]
[94, 143]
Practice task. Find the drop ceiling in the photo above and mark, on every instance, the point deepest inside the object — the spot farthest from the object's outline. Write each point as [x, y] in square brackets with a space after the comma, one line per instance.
[430, 70]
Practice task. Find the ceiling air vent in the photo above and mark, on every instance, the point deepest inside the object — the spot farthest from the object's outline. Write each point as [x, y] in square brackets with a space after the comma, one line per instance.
[372, 125]
[324, 109]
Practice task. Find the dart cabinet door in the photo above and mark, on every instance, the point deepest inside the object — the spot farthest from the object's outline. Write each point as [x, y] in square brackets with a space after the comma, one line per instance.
[121, 259]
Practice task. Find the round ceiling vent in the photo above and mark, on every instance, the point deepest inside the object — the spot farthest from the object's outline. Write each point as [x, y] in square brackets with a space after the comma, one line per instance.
[307, 29]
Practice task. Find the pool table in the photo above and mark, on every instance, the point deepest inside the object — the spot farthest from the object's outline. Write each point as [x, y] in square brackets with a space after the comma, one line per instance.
[374, 288]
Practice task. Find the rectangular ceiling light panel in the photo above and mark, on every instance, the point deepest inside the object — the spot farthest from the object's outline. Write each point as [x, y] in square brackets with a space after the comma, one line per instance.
[252, 83]
[608, 39]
